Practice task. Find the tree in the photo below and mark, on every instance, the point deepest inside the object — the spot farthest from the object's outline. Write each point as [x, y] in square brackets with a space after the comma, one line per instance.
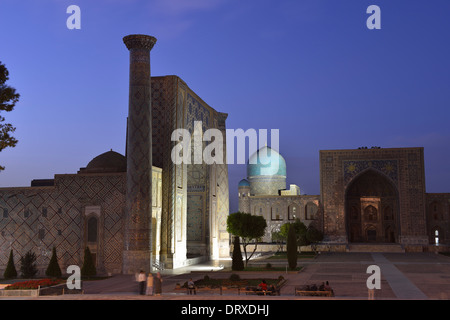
[8, 99]
[53, 269]
[313, 235]
[300, 231]
[248, 227]
[292, 247]
[28, 265]
[278, 239]
[237, 264]
[88, 269]
[10, 271]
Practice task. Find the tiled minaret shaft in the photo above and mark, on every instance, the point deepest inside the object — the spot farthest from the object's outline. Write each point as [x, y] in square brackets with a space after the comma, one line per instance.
[137, 233]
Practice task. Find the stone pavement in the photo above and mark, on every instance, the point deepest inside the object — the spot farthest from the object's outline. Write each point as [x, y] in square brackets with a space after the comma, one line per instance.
[404, 276]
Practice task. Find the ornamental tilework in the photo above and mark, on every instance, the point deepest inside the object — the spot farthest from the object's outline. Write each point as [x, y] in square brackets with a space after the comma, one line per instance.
[353, 167]
[195, 218]
[38, 218]
[55, 219]
[174, 106]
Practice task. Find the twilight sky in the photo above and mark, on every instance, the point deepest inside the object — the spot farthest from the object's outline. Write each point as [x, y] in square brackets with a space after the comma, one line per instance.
[310, 68]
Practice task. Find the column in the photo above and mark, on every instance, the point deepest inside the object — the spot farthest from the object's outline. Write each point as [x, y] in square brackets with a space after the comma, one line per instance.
[137, 232]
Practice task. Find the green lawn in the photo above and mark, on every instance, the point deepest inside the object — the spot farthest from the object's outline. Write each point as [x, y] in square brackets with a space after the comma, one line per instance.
[301, 255]
[280, 269]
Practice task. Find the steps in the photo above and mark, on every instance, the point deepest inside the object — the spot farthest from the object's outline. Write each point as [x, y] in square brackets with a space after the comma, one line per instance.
[375, 247]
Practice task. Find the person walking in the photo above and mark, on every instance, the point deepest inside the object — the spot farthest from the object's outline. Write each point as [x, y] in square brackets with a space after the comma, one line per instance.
[150, 284]
[158, 284]
[141, 279]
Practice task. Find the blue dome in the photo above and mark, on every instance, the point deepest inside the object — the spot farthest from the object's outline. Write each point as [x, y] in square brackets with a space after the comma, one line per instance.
[266, 162]
[244, 183]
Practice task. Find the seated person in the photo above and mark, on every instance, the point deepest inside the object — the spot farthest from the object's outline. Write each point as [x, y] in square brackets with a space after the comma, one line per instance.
[272, 289]
[263, 286]
[327, 287]
[322, 287]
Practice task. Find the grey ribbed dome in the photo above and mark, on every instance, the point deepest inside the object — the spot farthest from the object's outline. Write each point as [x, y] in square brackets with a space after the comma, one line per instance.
[110, 161]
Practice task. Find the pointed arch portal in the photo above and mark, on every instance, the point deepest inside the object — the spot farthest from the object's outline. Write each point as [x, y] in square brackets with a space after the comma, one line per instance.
[372, 209]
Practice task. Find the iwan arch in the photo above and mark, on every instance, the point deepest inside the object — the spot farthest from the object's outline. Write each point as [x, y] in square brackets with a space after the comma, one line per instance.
[378, 196]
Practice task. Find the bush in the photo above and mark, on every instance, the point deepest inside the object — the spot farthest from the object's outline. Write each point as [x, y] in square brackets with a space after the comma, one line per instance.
[237, 262]
[292, 248]
[268, 266]
[206, 277]
[313, 235]
[28, 265]
[88, 268]
[53, 269]
[10, 271]
[235, 277]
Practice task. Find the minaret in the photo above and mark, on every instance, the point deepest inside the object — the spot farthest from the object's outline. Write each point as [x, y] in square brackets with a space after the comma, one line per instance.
[244, 196]
[137, 234]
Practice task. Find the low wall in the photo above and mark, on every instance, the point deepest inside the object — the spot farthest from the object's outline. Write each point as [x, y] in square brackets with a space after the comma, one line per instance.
[270, 247]
[19, 293]
[263, 248]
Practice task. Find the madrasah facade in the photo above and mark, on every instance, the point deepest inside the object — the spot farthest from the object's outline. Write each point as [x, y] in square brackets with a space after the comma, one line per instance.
[142, 211]
[134, 211]
[370, 200]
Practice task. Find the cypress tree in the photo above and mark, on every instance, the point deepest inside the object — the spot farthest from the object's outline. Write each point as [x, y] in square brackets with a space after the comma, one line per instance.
[237, 262]
[53, 269]
[28, 265]
[88, 268]
[10, 271]
[292, 248]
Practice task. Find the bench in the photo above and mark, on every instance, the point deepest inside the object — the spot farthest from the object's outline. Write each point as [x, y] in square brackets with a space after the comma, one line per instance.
[301, 291]
[196, 290]
[250, 290]
[314, 293]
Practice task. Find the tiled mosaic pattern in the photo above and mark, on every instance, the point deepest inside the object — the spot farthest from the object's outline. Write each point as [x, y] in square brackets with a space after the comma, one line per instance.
[55, 217]
[174, 105]
[403, 166]
[137, 232]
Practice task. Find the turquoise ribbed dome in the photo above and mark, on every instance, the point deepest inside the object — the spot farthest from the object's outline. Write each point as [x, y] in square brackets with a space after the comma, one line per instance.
[266, 162]
[244, 183]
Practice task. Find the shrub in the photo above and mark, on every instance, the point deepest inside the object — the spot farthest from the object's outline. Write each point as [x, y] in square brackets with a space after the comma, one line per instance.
[235, 277]
[268, 266]
[88, 269]
[10, 271]
[206, 277]
[292, 248]
[53, 269]
[313, 235]
[237, 262]
[28, 265]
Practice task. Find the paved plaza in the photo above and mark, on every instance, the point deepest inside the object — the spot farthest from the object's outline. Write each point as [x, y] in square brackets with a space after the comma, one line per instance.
[404, 276]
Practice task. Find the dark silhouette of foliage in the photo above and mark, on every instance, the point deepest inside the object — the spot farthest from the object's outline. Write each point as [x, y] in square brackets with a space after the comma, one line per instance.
[237, 262]
[8, 99]
[53, 269]
[88, 269]
[292, 248]
[10, 271]
[28, 267]
[248, 227]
